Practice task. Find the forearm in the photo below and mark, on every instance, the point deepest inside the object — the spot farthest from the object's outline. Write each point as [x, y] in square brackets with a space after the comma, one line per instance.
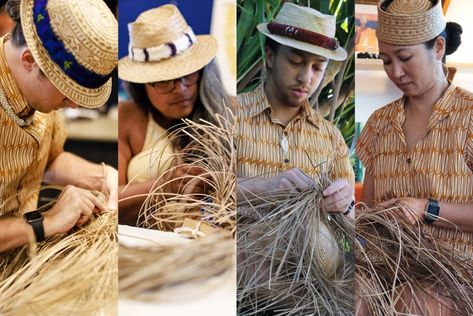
[14, 232]
[456, 215]
[131, 198]
[68, 168]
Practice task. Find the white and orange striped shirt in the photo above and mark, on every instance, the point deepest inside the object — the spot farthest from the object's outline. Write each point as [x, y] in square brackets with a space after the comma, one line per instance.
[310, 142]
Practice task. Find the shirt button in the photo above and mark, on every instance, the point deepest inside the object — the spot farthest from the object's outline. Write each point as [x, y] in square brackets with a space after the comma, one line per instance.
[408, 160]
[286, 160]
[285, 133]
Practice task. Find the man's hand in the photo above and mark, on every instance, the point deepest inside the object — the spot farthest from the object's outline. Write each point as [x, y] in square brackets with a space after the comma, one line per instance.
[337, 197]
[110, 186]
[276, 187]
[73, 208]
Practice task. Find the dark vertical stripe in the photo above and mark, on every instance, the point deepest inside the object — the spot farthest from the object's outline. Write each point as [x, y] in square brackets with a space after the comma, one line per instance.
[146, 54]
[190, 39]
[173, 48]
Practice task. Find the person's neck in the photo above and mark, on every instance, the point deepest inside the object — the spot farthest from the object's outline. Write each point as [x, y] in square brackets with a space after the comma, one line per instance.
[280, 111]
[424, 104]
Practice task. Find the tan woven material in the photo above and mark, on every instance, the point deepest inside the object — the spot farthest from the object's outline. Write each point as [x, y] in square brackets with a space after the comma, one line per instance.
[89, 31]
[157, 27]
[307, 19]
[409, 22]
[24, 152]
[311, 141]
[441, 164]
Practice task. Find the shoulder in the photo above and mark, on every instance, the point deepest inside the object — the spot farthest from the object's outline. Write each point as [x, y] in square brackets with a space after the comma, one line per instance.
[381, 119]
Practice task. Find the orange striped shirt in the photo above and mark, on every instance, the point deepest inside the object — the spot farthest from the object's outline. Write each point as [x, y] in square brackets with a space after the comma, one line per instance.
[311, 141]
[24, 151]
[440, 166]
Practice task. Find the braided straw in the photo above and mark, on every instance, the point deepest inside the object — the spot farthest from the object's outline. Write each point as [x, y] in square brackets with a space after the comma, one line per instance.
[409, 22]
[88, 30]
[157, 27]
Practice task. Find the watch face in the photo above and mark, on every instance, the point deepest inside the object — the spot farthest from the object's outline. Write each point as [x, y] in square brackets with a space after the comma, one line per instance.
[33, 216]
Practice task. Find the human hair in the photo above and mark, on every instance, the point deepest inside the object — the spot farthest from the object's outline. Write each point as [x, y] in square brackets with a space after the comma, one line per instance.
[272, 44]
[452, 35]
[13, 9]
[211, 100]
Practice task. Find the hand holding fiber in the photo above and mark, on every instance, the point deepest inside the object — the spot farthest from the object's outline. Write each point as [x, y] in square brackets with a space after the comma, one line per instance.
[73, 208]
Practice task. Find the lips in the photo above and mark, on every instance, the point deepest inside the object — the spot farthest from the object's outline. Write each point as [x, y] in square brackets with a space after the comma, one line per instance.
[182, 102]
[300, 92]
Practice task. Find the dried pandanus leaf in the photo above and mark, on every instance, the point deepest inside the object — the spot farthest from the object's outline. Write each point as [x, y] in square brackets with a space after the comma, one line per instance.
[293, 258]
[392, 256]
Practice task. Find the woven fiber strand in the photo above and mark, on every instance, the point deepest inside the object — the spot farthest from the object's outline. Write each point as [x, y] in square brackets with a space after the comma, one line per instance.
[212, 149]
[175, 272]
[74, 274]
[292, 258]
[391, 255]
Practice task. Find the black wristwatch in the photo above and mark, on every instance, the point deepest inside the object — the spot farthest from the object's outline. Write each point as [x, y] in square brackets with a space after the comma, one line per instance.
[35, 219]
[432, 211]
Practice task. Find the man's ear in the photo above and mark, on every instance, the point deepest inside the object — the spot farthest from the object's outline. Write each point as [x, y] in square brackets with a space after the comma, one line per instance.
[26, 59]
[269, 57]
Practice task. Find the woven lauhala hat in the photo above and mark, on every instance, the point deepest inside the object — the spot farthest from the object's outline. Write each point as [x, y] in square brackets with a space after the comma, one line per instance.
[305, 29]
[163, 47]
[409, 22]
[75, 44]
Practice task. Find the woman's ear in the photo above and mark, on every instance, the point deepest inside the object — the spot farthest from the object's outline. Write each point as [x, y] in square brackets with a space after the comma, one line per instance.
[27, 59]
[439, 47]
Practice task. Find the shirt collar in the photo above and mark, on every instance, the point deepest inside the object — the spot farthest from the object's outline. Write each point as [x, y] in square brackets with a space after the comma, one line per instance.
[442, 108]
[261, 104]
[9, 85]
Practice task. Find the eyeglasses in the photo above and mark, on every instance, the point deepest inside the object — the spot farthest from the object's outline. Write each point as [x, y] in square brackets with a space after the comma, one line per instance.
[168, 86]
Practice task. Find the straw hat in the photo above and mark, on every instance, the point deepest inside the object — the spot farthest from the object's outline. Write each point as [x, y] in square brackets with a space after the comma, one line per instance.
[409, 22]
[305, 29]
[75, 44]
[163, 47]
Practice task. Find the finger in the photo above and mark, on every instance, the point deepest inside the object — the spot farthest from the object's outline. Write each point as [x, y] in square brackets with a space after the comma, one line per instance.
[388, 202]
[406, 214]
[99, 206]
[335, 186]
[113, 199]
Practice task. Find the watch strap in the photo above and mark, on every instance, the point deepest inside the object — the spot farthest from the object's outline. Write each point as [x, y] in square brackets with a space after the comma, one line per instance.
[432, 211]
[37, 225]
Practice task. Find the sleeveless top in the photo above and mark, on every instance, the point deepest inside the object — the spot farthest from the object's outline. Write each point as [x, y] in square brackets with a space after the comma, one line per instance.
[155, 157]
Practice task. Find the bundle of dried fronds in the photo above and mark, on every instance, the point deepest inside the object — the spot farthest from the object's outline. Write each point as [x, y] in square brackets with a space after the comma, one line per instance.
[212, 150]
[294, 259]
[73, 274]
[393, 258]
[173, 272]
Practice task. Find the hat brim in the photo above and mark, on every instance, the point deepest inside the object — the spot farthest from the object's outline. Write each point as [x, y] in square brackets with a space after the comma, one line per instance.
[338, 54]
[83, 96]
[195, 58]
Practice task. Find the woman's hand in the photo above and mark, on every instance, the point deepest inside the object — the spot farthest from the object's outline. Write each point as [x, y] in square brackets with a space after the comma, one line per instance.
[410, 210]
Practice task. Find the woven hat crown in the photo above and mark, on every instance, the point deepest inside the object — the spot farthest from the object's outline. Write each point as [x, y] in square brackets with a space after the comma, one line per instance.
[157, 26]
[409, 22]
[306, 18]
[88, 30]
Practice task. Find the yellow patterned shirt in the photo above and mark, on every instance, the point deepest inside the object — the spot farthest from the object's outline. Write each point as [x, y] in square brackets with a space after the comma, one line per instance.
[440, 166]
[266, 147]
[24, 151]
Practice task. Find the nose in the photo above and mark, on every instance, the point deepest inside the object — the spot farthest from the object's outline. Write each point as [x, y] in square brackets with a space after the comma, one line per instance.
[304, 75]
[179, 87]
[397, 70]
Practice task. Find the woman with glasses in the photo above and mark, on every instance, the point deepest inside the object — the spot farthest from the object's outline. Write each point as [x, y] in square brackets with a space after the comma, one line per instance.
[170, 75]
